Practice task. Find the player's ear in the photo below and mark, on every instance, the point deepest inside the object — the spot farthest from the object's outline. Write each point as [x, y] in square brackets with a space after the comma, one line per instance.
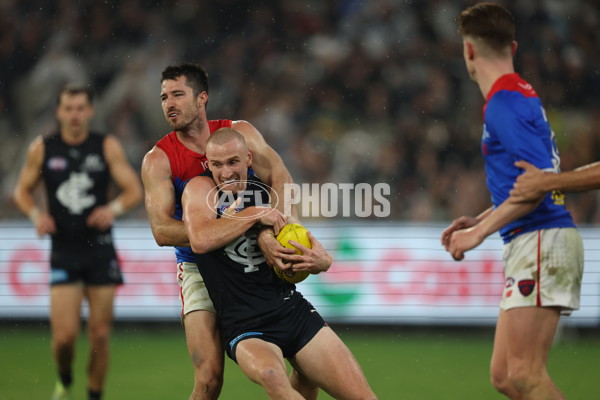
[249, 159]
[202, 99]
[469, 50]
[513, 47]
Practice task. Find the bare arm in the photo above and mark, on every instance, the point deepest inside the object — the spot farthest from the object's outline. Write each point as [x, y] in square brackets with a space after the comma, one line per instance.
[126, 179]
[270, 168]
[266, 163]
[160, 200]
[535, 182]
[29, 177]
[463, 240]
[463, 222]
[205, 231]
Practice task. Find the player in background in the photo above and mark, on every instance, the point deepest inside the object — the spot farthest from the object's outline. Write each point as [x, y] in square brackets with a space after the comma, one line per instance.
[176, 158]
[76, 166]
[262, 318]
[543, 252]
[535, 182]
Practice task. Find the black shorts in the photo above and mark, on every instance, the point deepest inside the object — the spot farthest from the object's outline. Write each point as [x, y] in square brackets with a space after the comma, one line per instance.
[97, 265]
[291, 331]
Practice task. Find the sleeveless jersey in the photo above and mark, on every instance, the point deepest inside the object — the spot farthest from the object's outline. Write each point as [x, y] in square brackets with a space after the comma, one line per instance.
[516, 128]
[243, 288]
[185, 164]
[76, 180]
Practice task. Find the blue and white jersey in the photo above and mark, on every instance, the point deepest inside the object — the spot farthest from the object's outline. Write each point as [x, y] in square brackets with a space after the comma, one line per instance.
[516, 128]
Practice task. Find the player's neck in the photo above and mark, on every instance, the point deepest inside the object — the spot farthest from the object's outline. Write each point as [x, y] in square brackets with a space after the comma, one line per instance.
[74, 137]
[490, 71]
[195, 137]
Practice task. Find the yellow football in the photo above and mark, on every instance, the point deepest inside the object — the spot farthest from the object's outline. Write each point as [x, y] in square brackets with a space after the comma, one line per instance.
[298, 233]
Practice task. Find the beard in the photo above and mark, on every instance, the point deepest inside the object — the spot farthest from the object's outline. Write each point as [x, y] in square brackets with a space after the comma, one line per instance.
[181, 124]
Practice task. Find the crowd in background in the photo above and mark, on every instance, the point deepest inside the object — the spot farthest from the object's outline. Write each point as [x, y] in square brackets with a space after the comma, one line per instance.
[346, 91]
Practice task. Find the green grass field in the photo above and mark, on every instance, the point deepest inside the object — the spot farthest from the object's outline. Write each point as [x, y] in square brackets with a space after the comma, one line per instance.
[151, 362]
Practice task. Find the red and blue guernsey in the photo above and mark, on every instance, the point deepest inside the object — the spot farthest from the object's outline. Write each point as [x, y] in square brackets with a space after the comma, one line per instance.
[185, 164]
[516, 128]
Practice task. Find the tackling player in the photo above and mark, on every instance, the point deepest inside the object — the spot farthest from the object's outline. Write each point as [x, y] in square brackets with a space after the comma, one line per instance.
[177, 157]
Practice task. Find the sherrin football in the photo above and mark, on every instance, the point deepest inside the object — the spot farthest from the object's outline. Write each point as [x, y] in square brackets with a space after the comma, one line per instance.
[298, 233]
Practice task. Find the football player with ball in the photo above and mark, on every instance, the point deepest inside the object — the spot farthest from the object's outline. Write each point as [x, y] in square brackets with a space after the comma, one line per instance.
[262, 317]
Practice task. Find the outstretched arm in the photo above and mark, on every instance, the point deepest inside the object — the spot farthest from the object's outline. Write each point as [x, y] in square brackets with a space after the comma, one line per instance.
[535, 182]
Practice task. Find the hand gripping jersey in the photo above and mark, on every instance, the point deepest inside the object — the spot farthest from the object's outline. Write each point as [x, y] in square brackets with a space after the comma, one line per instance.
[244, 290]
[516, 128]
[185, 164]
[76, 180]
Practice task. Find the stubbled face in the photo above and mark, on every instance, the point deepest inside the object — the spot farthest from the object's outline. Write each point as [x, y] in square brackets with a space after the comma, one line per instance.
[229, 164]
[180, 106]
[74, 112]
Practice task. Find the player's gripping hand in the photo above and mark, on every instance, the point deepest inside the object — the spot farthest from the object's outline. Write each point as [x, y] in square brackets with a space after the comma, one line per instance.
[529, 186]
[273, 251]
[274, 218]
[459, 223]
[463, 240]
[314, 260]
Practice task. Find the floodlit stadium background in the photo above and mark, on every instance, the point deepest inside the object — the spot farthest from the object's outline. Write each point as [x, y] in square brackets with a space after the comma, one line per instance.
[347, 92]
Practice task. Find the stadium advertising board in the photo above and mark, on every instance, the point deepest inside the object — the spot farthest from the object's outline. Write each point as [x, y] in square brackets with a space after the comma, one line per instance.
[382, 274]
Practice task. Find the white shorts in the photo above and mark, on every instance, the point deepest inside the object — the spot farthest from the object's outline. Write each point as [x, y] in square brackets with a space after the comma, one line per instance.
[543, 269]
[192, 291]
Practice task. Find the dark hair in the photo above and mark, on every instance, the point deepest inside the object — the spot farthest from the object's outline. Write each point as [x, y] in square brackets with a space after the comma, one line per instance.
[73, 89]
[489, 22]
[196, 75]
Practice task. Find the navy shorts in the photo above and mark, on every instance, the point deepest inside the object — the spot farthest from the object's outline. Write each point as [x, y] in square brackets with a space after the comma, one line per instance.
[94, 266]
[291, 331]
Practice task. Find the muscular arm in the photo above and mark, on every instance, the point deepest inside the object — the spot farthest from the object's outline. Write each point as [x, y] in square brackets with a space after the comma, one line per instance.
[126, 179]
[205, 231]
[28, 178]
[160, 200]
[270, 169]
[267, 164]
[123, 174]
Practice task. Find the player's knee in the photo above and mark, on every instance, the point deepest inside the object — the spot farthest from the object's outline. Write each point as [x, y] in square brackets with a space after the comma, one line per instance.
[501, 383]
[208, 376]
[272, 378]
[99, 337]
[64, 340]
[523, 380]
[499, 379]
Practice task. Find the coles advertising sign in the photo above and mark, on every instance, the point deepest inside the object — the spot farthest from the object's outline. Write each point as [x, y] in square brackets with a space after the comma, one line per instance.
[382, 274]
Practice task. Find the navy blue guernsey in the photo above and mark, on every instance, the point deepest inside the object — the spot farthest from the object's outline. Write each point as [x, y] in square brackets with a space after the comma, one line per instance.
[244, 290]
[516, 128]
[76, 180]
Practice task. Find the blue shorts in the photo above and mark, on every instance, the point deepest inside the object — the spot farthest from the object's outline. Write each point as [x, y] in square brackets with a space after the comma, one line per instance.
[95, 266]
[293, 328]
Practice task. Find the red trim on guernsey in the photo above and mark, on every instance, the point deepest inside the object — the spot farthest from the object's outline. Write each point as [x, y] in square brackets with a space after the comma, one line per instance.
[538, 301]
[513, 83]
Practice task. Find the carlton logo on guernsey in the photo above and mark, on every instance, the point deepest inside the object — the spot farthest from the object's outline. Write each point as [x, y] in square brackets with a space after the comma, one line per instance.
[185, 164]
